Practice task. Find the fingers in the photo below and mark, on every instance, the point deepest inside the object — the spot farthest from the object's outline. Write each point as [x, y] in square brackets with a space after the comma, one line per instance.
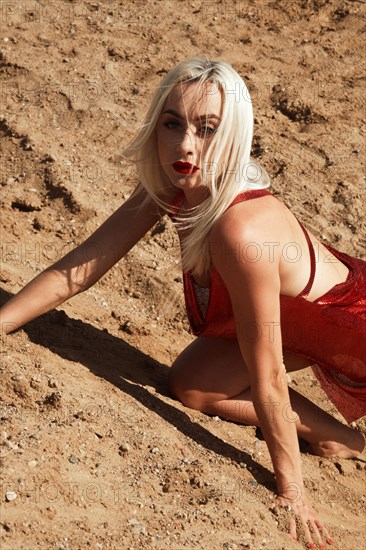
[315, 529]
[307, 532]
[301, 523]
[324, 532]
[292, 529]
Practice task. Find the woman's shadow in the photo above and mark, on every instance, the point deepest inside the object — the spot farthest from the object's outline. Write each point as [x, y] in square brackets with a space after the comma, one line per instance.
[130, 370]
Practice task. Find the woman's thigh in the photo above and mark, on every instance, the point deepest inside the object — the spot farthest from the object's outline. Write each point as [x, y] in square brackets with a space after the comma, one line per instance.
[212, 366]
[213, 369]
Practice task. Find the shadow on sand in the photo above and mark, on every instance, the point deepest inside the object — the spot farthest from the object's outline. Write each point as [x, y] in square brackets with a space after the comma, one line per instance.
[128, 369]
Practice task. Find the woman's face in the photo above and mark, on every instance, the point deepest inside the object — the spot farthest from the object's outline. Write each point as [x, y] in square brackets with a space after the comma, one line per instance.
[186, 125]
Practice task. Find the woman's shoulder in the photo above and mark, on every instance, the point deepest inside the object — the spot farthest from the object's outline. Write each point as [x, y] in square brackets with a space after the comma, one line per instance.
[241, 238]
[257, 219]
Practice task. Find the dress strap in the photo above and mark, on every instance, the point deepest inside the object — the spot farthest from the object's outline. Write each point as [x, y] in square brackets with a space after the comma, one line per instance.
[305, 292]
[176, 204]
[244, 196]
[250, 194]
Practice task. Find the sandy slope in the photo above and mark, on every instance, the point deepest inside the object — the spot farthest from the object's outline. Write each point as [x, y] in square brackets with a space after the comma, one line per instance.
[99, 454]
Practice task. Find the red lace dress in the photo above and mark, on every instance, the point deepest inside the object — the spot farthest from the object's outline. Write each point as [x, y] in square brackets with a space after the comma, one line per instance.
[330, 331]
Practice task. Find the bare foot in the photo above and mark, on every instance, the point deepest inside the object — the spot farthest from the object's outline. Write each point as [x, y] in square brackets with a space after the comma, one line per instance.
[350, 449]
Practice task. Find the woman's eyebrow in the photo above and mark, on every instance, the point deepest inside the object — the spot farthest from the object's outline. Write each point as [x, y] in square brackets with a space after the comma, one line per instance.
[172, 112]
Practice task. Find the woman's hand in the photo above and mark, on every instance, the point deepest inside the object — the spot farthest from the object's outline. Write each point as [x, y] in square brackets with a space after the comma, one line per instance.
[301, 521]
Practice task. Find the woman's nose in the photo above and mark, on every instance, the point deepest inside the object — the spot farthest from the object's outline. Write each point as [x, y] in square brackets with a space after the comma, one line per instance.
[186, 143]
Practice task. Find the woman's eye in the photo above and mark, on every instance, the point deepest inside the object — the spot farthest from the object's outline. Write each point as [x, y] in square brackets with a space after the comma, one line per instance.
[171, 124]
[202, 131]
[207, 130]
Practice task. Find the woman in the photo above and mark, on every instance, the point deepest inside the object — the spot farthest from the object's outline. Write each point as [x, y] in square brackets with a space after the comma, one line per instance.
[256, 297]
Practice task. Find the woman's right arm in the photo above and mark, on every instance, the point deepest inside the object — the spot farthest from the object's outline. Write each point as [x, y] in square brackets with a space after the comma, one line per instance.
[85, 265]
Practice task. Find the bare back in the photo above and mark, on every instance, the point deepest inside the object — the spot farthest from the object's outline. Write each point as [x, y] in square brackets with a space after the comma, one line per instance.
[282, 235]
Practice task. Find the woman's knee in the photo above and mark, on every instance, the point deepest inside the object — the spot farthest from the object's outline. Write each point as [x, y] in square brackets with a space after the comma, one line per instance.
[173, 382]
[179, 383]
[208, 370]
[192, 399]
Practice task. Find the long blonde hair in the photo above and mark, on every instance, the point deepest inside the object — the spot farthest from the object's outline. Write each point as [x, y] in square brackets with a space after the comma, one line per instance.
[229, 148]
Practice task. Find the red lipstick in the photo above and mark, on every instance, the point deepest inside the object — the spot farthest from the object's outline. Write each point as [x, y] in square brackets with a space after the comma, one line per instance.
[184, 167]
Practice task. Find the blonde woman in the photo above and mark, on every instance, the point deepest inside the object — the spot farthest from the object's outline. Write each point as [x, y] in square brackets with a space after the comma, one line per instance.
[256, 312]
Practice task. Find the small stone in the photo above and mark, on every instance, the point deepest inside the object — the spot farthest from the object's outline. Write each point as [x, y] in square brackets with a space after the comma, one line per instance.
[28, 145]
[32, 463]
[154, 450]
[49, 158]
[140, 529]
[52, 383]
[196, 482]
[51, 511]
[53, 400]
[124, 448]
[17, 377]
[127, 327]
[10, 495]
[73, 459]
[137, 527]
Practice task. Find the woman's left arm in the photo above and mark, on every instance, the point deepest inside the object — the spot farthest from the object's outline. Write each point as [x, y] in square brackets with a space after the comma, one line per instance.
[241, 254]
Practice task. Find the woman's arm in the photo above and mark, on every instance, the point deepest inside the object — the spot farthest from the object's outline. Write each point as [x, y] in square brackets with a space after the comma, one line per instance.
[254, 287]
[252, 278]
[85, 265]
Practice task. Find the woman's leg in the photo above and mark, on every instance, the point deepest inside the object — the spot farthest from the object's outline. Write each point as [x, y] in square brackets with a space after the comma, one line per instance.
[210, 376]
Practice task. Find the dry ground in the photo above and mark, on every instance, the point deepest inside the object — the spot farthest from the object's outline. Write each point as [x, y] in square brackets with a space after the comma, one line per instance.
[99, 454]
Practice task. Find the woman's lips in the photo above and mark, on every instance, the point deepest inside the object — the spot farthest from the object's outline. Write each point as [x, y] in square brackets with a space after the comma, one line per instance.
[185, 167]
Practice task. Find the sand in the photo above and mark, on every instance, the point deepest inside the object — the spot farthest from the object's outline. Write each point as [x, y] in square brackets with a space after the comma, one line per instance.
[94, 451]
